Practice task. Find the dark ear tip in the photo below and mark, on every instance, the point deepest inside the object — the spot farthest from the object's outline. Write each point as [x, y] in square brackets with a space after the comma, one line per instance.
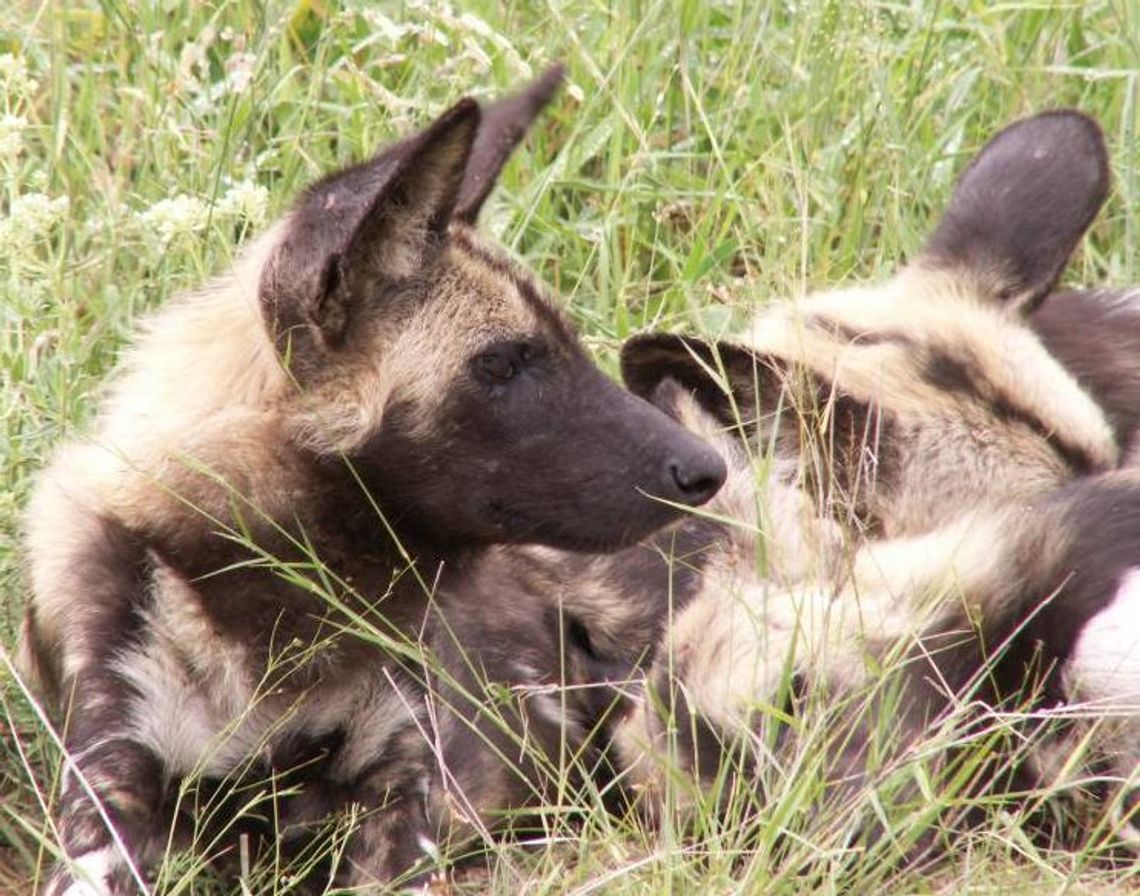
[1063, 127]
[1074, 118]
[551, 79]
[466, 111]
[504, 122]
[1077, 126]
[538, 93]
[1092, 132]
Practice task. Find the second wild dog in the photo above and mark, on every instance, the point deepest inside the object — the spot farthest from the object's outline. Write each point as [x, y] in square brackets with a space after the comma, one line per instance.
[957, 417]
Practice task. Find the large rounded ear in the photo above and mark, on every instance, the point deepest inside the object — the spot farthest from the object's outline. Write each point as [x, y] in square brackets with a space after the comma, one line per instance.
[404, 222]
[374, 223]
[503, 126]
[727, 380]
[1022, 205]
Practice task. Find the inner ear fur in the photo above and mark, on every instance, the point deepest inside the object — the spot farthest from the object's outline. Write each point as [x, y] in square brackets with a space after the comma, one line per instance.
[727, 380]
[1022, 205]
[405, 222]
[357, 229]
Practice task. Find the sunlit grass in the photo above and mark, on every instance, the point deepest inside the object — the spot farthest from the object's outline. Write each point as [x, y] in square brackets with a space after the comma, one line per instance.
[703, 157]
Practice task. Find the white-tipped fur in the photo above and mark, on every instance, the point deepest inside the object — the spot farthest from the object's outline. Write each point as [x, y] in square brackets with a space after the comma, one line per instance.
[91, 872]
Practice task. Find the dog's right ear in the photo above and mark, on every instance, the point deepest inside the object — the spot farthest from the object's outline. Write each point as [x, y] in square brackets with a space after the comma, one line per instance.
[1021, 206]
[503, 125]
[362, 229]
[727, 380]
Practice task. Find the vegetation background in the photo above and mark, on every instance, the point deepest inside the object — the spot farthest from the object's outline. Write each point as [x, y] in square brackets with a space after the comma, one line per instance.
[705, 156]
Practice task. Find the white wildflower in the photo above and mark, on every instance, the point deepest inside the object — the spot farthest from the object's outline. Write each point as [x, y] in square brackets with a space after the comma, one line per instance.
[30, 217]
[14, 76]
[36, 212]
[239, 71]
[12, 129]
[169, 218]
[246, 201]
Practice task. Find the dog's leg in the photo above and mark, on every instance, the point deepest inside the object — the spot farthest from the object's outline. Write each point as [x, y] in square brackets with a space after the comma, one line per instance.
[109, 815]
[391, 850]
[90, 576]
[380, 777]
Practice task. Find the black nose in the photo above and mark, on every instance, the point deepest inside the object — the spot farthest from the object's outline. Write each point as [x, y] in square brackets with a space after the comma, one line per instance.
[698, 477]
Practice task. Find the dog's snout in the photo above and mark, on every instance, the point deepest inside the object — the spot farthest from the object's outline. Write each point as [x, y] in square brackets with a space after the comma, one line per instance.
[698, 476]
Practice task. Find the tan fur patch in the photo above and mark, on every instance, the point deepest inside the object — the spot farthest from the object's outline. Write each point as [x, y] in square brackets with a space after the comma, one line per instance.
[993, 440]
[472, 303]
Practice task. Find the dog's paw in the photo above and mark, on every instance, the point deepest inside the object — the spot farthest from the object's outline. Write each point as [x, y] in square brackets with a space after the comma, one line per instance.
[99, 872]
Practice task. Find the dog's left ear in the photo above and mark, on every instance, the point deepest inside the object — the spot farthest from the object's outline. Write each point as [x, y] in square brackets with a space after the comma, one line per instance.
[1021, 207]
[369, 225]
[502, 127]
[729, 381]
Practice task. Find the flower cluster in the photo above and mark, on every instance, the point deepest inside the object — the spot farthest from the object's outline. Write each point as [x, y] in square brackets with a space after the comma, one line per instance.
[246, 202]
[178, 216]
[12, 129]
[30, 219]
[16, 89]
[167, 220]
[14, 77]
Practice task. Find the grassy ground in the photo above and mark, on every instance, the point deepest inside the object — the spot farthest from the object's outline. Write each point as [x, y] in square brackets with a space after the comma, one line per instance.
[704, 157]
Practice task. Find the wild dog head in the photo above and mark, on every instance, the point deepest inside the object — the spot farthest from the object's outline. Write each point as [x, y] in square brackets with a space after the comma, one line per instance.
[539, 649]
[444, 373]
[913, 400]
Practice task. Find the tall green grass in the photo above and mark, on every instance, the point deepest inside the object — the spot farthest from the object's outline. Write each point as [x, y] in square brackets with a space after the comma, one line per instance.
[704, 157]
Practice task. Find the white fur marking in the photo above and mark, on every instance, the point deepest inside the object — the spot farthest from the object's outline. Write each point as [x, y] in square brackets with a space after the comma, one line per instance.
[549, 707]
[428, 846]
[91, 870]
[1105, 664]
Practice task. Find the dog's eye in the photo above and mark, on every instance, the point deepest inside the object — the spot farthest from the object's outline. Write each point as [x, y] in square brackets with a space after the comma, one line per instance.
[498, 365]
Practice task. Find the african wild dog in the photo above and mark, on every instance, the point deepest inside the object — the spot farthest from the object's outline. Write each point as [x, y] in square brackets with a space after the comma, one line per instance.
[914, 422]
[995, 552]
[231, 574]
